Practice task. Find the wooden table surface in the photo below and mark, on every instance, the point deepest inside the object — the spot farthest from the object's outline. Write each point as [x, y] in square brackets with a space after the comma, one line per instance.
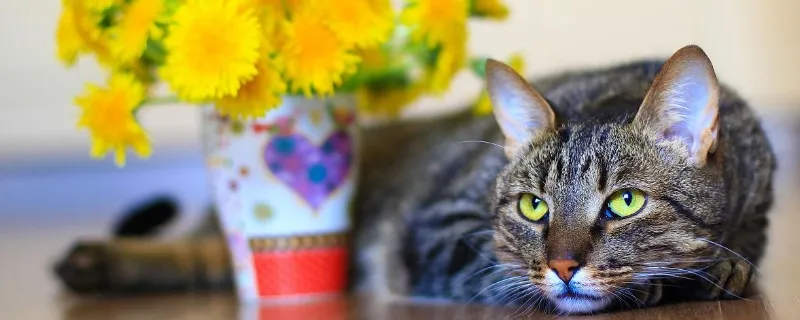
[223, 306]
[28, 291]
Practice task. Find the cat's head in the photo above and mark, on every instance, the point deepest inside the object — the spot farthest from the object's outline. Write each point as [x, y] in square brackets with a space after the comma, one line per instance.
[589, 212]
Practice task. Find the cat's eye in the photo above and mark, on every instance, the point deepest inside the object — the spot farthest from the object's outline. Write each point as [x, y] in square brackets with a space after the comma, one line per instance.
[625, 203]
[532, 207]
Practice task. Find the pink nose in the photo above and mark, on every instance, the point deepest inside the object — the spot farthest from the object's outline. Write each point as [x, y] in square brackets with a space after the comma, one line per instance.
[565, 268]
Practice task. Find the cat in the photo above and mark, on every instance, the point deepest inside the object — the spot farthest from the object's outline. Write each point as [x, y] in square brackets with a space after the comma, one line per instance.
[588, 191]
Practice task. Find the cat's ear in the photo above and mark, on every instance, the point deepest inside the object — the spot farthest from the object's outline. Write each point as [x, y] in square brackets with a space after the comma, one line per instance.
[683, 104]
[519, 109]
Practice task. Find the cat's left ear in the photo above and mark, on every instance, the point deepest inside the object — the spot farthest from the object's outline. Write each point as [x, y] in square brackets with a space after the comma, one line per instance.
[682, 105]
[519, 109]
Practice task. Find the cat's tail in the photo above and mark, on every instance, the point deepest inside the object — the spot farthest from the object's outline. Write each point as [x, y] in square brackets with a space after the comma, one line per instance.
[134, 265]
[135, 261]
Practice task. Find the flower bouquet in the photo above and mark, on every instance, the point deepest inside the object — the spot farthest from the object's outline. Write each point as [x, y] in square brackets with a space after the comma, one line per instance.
[279, 84]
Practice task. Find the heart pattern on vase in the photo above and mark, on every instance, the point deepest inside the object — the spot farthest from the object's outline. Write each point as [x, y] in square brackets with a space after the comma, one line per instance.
[313, 172]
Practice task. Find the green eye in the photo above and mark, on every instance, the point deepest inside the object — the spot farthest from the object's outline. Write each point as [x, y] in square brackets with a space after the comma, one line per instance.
[532, 208]
[625, 203]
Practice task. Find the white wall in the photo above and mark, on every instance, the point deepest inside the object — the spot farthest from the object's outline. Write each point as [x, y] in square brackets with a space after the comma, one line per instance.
[753, 44]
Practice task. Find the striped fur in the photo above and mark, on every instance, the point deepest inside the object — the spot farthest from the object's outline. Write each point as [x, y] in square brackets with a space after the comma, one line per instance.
[436, 218]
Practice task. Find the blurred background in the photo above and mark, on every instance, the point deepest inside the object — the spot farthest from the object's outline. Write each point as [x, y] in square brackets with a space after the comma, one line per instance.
[51, 191]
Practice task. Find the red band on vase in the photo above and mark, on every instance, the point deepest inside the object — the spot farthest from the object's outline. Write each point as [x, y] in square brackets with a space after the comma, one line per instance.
[306, 271]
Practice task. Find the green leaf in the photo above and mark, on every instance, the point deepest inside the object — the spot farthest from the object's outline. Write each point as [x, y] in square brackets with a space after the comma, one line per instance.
[396, 77]
[478, 66]
[108, 17]
[351, 82]
[154, 53]
[471, 9]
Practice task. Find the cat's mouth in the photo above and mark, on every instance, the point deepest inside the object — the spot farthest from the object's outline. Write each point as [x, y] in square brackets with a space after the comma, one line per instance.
[575, 295]
[578, 296]
[579, 303]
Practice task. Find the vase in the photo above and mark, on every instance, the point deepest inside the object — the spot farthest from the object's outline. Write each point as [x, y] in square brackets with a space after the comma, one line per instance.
[282, 186]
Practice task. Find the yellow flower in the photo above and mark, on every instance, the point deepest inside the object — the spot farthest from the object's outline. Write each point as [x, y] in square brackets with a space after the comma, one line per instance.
[272, 16]
[108, 114]
[274, 30]
[213, 47]
[364, 23]
[452, 57]
[136, 24]
[98, 5]
[315, 57]
[78, 32]
[484, 104]
[69, 42]
[492, 9]
[436, 22]
[258, 95]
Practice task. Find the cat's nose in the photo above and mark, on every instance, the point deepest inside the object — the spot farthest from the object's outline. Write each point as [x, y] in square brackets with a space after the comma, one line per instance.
[565, 268]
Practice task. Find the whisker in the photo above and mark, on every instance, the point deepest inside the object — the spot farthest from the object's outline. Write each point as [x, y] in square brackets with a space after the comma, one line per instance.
[481, 141]
[734, 252]
[512, 295]
[512, 279]
[535, 304]
[525, 293]
[501, 266]
[668, 262]
[660, 276]
[510, 284]
[703, 275]
[480, 253]
[655, 278]
[618, 297]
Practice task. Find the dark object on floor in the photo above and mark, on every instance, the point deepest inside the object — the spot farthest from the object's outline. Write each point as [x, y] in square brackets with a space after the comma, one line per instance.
[147, 218]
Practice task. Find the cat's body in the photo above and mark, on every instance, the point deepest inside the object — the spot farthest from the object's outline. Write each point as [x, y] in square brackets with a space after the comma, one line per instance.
[433, 218]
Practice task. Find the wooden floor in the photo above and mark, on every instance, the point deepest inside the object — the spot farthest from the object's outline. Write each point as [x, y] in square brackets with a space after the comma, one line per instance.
[29, 292]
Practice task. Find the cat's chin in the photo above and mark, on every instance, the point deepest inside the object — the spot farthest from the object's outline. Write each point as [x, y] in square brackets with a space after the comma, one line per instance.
[580, 305]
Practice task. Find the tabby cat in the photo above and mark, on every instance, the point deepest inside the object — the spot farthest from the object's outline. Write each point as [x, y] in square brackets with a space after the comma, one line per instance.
[617, 187]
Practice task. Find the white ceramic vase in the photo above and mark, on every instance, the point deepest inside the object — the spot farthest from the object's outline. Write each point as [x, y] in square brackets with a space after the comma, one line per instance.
[283, 184]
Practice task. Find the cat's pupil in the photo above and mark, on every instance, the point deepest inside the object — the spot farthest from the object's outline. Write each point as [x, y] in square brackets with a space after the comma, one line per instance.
[536, 203]
[628, 197]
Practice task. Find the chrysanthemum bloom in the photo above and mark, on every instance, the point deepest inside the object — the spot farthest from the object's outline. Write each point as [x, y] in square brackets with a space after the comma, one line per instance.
[258, 95]
[315, 57]
[137, 24]
[213, 47]
[108, 114]
[436, 22]
[363, 23]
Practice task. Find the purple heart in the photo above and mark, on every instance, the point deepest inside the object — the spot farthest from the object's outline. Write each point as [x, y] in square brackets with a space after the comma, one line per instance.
[313, 172]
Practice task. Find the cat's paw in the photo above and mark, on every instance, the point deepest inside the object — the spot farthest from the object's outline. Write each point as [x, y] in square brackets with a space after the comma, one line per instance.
[728, 279]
